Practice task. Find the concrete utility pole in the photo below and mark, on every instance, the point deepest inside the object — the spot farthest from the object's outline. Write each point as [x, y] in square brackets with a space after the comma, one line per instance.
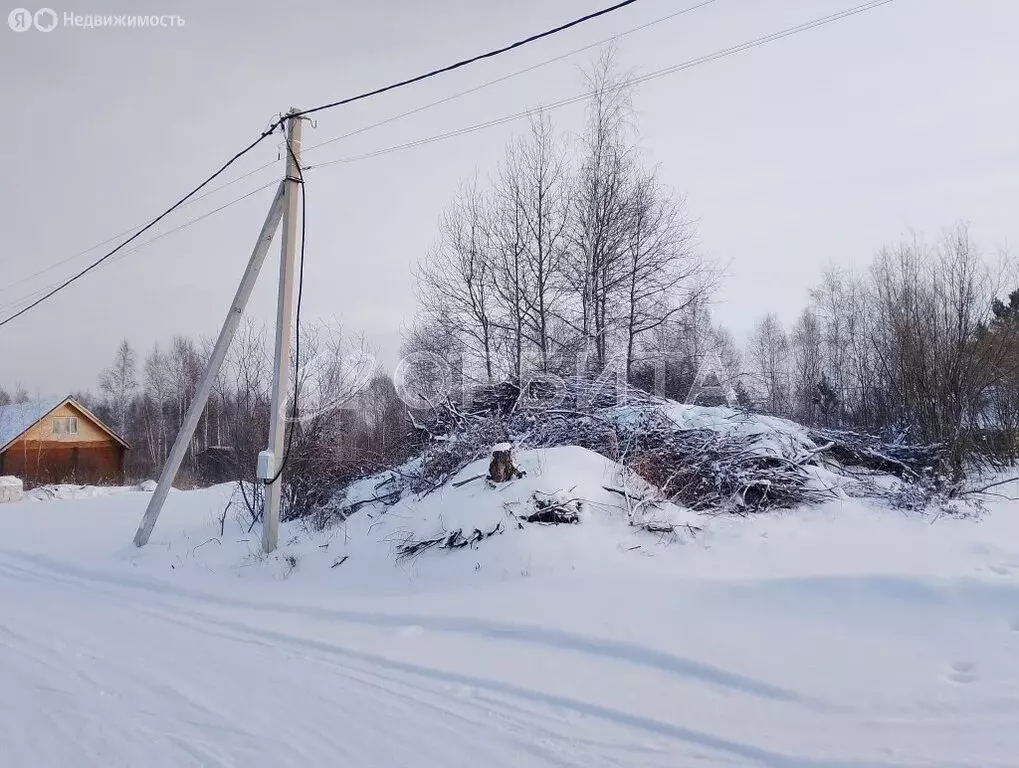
[270, 461]
[226, 335]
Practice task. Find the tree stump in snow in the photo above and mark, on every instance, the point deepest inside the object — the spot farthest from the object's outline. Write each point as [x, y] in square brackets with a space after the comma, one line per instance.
[501, 468]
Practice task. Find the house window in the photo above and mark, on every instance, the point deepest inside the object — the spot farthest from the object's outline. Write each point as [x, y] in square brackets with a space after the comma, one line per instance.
[65, 425]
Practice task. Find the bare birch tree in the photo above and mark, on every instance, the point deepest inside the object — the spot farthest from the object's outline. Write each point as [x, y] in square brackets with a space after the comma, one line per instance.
[663, 275]
[806, 344]
[118, 384]
[600, 211]
[769, 354]
[538, 184]
[455, 281]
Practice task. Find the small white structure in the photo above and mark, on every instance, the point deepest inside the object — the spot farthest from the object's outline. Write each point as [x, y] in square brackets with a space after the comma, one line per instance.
[11, 489]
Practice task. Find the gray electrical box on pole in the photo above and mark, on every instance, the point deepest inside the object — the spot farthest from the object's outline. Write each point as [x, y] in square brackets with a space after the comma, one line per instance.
[271, 461]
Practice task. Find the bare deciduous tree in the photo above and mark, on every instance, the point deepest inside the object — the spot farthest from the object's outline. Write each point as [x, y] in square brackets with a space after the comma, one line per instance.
[663, 276]
[769, 355]
[600, 211]
[454, 282]
[118, 384]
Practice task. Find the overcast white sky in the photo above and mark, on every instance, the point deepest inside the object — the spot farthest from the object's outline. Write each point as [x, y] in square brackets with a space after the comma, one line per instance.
[811, 150]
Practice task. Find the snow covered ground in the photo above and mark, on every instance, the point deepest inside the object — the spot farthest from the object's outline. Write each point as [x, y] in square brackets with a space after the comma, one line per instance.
[844, 635]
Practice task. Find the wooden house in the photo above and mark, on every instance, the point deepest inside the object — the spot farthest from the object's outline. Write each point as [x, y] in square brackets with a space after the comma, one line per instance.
[59, 441]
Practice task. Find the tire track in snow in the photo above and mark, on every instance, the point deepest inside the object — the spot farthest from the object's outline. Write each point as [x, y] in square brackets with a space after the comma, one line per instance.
[488, 745]
[503, 631]
[497, 690]
[357, 729]
[520, 717]
[650, 726]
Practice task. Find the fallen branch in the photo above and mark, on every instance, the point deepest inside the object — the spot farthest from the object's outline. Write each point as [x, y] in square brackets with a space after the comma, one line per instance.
[622, 493]
[454, 540]
[460, 483]
[654, 526]
[986, 488]
[199, 546]
[388, 499]
[552, 510]
[555, 515]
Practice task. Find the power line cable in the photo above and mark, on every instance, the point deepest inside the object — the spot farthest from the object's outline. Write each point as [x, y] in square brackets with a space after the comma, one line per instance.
[526, 113]
[471, 60]
[504, 78]
[363, 129]
[689, 64]
[732, 50]
[278, 123]
[28, 278]
[146, 243]
[77, 276]
[763, 40]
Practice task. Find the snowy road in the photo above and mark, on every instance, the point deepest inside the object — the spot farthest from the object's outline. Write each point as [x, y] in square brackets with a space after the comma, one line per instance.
[99, 674]
[111, 657]
[101, 670]
[96, 675]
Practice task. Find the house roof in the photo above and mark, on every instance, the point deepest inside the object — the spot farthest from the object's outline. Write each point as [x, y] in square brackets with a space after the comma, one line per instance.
[18, 418]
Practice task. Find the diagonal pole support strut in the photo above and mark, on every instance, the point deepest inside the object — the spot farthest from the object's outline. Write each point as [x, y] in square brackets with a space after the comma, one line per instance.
[226, 335]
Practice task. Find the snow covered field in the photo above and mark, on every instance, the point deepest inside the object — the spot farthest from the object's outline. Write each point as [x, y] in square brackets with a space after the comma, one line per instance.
[845, 635]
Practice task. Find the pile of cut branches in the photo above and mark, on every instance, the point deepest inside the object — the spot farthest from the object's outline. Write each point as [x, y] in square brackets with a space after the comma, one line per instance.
[540, 415]
[708, 469]
[907, 461]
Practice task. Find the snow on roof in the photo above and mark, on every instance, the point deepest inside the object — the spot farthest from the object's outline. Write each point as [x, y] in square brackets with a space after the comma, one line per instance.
[16, 418]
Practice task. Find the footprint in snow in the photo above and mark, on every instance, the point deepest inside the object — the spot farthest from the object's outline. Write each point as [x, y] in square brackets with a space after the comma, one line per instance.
[962, 672]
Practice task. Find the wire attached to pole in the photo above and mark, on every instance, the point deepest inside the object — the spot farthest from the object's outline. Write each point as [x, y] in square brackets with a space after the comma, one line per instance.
[294, 411]
[465, 62]
[281, 120]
